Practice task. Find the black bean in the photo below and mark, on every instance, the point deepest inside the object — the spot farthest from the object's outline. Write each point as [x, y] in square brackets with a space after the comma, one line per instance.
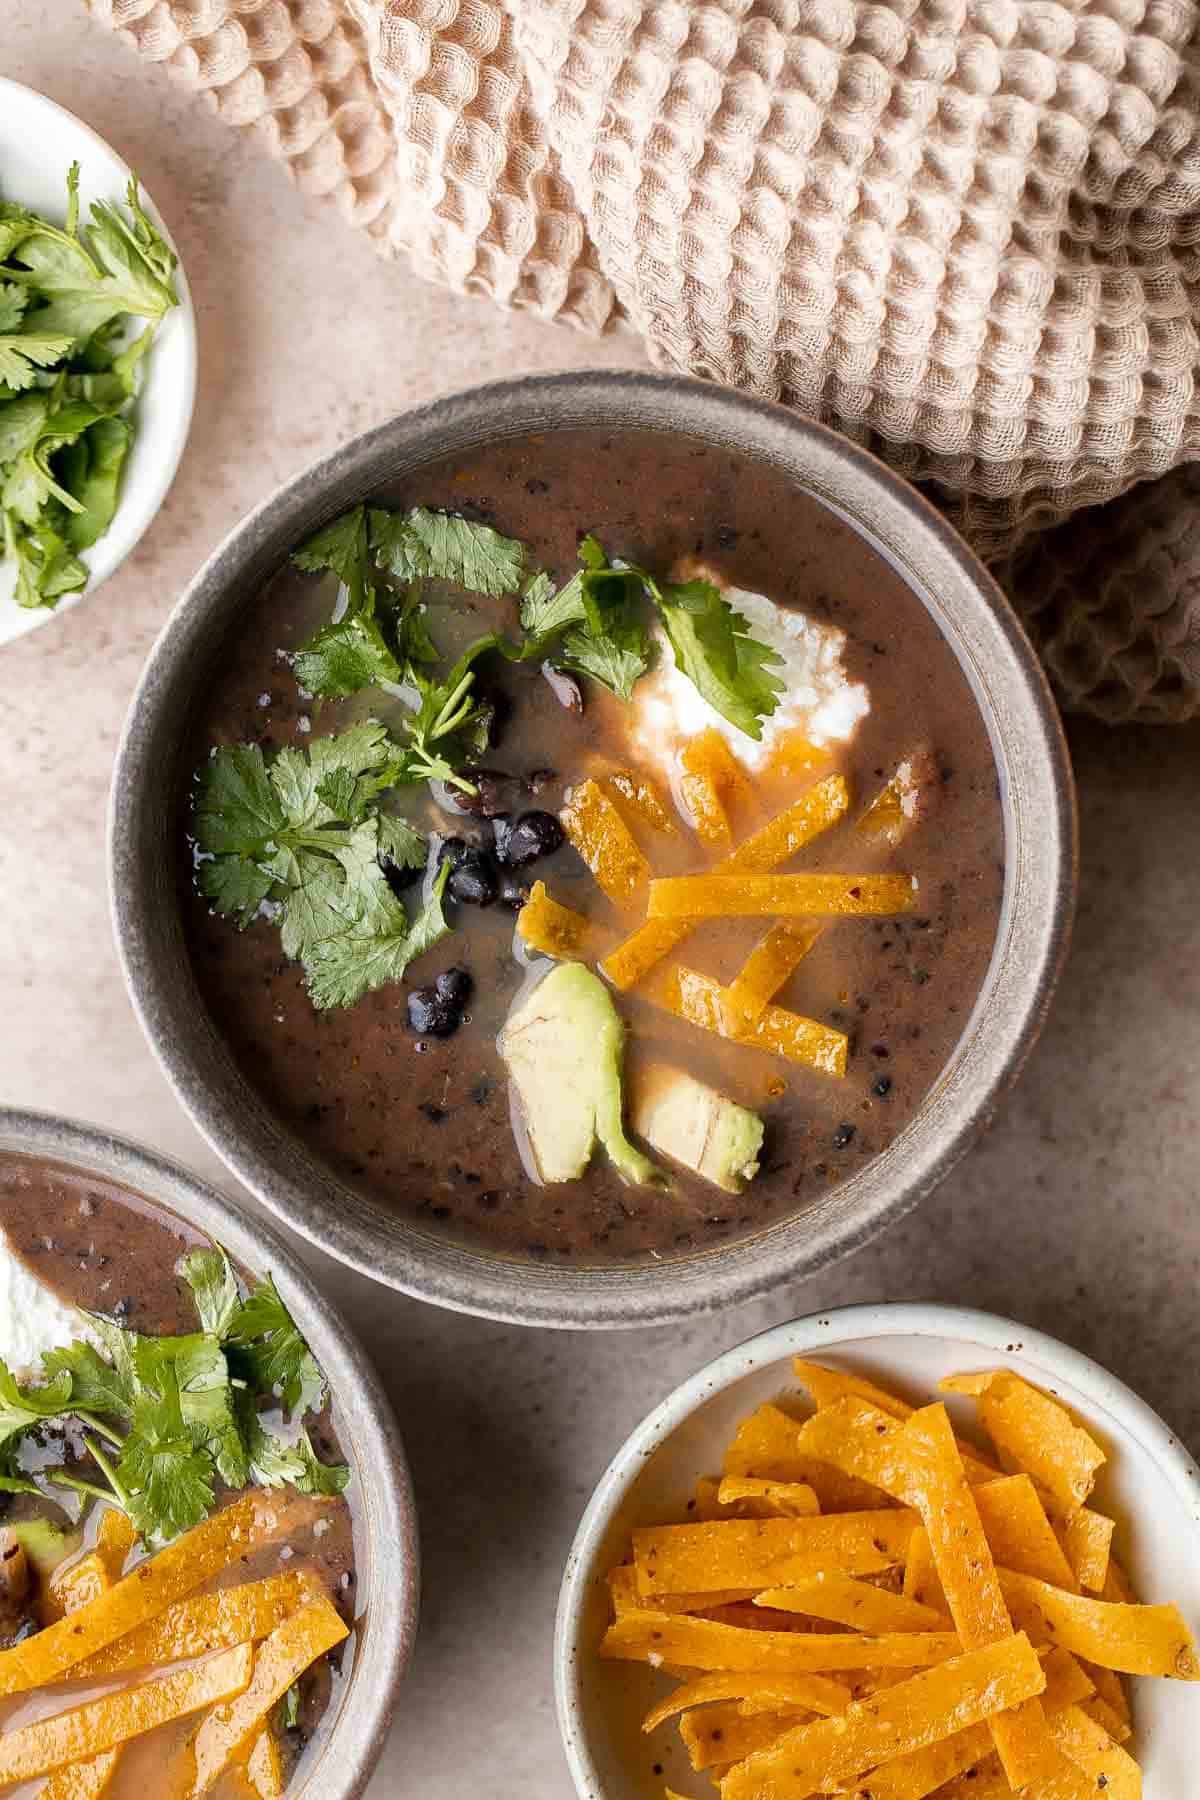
[474, 880]
[455, 985]
[843, 1136]
[535, 834]
[430, 1014]
[541, 778]
[452, 851]
[493, 793]
[883, 1087]
[512, 894]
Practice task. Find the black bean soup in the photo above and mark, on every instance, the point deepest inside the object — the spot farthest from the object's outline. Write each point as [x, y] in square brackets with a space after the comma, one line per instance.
[100, 1248]
[421, 1121]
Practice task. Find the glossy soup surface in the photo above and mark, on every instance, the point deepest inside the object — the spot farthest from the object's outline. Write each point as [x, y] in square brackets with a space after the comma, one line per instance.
[101, 1248]
[422, 1124]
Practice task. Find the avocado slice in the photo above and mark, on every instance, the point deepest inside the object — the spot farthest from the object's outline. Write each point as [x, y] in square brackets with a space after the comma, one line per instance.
[564, 1046]
[698, 1127]
[44, 1543]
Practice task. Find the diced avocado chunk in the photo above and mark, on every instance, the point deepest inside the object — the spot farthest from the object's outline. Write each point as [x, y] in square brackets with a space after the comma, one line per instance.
[44, 1543]
[698, 1127]
[564, 1047]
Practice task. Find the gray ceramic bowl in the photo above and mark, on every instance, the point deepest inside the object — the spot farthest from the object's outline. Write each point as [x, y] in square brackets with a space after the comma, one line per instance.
[1036, 794]
[386, 1546]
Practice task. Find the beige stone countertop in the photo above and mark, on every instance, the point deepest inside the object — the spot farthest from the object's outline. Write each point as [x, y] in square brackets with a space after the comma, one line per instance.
[1079, 1213]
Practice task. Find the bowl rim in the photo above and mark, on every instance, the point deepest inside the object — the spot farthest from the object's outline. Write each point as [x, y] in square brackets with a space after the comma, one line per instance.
[129, 524]
[386, 1503]
[810, 1334]
[1037, 791]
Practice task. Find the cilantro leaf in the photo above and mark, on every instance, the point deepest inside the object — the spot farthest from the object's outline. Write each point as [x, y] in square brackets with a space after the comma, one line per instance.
[22, 354]
[340, 546]
[117, 265]
[546, 611]
[446, 547]
[47, 568]
[274, 1461]
[191, 1373]
[13, 302]
[343, 657]
[713, 646]
[271, 1353]
[90, 470]
[617, 658]
[22, 1407]
[377, 947]
[209, 1274]
[96, 1386]
[165, 1471]
[401, 843]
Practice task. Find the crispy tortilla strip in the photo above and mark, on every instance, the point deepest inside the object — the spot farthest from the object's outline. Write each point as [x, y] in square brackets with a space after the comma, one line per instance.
[987, 1781]
[204, 1622]
[693, 1643]
[778, 1499]
[555, 930]
[1136, 1640]
[74, 1584]
[88, 1731]
[1110, 1687]
[923, 1710]
[1107, 1767]
[715, 1736]
[772, 962]
[819, 807]
[780, 896]
[827, 1386]
[923, 1772]
[264, 1766]
[863, 1441]
[1035, 1433]
[149, 1588]
[622, 1585]
[897, 806]
[1018, 1531]
[83, 1780]
[115, 1538]
[710, 782]
[1108, 1718]
[637, 795]
[702, 1001]
[228, 1733]
[921, 1579]
[1117, 1585]
[808, 1693]
[759, 1553]
[1086, 1538]
[967, 1572]
[605, 843]
[767, 1444]
[853, 1603]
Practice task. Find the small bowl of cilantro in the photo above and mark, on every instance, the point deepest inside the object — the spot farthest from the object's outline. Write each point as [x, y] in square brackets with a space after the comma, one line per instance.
[97, 360]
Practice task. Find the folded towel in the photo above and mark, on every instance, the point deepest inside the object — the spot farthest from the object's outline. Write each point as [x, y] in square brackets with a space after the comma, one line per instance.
[965, 232]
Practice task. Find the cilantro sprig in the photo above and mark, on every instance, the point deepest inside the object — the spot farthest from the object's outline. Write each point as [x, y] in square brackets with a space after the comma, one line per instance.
[167, 1420]
[303, 832]
[68, 296]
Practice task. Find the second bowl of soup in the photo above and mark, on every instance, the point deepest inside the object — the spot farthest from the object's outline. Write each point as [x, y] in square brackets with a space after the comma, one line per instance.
[592, 848]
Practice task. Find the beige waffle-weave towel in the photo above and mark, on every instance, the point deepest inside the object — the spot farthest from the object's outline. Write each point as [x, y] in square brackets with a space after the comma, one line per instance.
[966, 232]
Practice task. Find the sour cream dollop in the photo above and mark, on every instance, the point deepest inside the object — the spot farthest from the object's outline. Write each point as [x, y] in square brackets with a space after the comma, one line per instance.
[820, 702]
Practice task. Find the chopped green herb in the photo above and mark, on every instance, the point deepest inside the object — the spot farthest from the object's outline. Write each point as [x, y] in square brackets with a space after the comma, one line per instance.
[169, 1418]
[67, 298]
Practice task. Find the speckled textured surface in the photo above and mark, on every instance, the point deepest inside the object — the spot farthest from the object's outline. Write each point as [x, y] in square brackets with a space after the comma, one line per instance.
[1080, 1213]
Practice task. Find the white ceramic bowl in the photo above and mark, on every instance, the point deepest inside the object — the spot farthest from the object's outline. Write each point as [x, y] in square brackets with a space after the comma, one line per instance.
[1149, 1484]
[39, 140]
